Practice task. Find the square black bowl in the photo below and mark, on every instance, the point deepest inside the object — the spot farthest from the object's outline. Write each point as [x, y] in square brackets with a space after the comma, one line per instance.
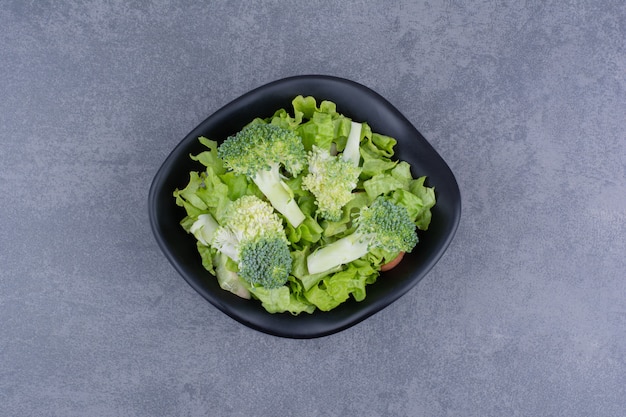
[357, 102]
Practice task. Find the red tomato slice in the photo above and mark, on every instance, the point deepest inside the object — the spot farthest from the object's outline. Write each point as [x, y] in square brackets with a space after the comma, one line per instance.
[393, 263]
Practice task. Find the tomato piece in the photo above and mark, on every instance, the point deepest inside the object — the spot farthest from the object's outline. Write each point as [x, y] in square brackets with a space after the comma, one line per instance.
[393, 263]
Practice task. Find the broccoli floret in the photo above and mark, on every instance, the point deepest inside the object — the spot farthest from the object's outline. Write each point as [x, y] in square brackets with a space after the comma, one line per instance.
[384, 224]
[331, 179]
[258, 151]
[253, 236]
[265, 263]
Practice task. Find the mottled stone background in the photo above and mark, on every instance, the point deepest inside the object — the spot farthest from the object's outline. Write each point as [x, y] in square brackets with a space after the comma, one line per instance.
[525, 315]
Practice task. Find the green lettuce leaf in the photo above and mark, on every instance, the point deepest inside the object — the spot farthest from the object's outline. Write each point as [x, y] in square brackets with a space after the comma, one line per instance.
[324, 126]
[281, 300]
[382, 184]
[209, 158]
[336, 288]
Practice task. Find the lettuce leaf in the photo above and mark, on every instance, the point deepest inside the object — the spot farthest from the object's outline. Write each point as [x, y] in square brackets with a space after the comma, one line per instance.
[324, 126]
[281, 300]
[338, 287]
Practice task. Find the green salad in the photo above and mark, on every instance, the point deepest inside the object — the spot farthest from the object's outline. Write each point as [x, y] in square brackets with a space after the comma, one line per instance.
[303, 209]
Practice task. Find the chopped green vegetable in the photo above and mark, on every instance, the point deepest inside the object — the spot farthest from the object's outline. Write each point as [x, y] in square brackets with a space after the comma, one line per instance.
[351, 152]
[331, 179]
[384, 225]
[258, 151]
[228, 278]
[301, 210]
[254, 237]
[204, 228]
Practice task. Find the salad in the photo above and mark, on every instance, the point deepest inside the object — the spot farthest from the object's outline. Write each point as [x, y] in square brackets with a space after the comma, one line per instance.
[302, 210]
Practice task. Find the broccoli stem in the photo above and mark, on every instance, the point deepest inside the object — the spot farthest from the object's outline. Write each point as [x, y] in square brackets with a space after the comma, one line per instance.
[204, 228]
[351, 152]
[277, 192]
[340, 252]
[226, 242]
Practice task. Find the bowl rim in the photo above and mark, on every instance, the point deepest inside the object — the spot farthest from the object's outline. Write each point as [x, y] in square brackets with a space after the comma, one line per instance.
[285, 324]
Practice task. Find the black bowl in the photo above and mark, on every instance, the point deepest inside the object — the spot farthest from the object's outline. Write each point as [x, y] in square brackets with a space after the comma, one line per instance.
[357, 102]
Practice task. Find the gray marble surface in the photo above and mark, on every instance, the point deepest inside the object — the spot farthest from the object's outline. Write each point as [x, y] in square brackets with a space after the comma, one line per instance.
[525, 315]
